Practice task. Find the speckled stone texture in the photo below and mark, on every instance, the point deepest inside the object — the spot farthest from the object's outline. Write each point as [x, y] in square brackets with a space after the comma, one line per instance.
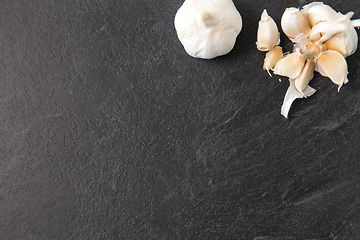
[109, 130]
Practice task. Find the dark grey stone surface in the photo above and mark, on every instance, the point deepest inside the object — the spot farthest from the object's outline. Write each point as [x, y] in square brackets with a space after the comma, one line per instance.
[109, 130]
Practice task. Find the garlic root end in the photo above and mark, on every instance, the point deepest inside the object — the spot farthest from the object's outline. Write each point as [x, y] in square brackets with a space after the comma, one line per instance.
[208, 19]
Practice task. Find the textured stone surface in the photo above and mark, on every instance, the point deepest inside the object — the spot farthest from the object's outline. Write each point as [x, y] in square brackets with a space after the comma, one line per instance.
[109, 130]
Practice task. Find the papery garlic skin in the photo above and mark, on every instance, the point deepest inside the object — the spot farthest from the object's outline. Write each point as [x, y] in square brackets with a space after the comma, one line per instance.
[333, 65]
[292, 94]
[271, 58]
[290, 65]
[268, 35]
[293, 23]
[208, 29]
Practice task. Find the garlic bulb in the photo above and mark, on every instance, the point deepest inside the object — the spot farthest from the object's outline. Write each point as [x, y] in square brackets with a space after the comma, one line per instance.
[322, 39]
[208, 29]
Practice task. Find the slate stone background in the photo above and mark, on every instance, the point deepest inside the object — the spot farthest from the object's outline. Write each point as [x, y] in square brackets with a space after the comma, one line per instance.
[109, 130]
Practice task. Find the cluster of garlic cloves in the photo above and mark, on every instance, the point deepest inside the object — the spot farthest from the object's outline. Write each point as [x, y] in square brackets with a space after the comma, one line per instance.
[322, 39]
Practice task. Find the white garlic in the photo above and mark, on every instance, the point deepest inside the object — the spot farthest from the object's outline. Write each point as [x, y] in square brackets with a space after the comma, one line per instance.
[302, 81]
[342, 44]
[268, 35]
[332, 28]
[292, 94]
[271, 58]
[208, 29]
[322, 38]
[333, 65]
[318, 30]
[293, 23]
[290, 65]
[319, 12]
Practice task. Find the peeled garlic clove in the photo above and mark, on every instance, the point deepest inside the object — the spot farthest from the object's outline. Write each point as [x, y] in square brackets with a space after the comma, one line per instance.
[333, 65]
[272, 57]
[290, 65]
[293, 23]
[319, 12]
[207, 29]
[292, 94]
[302, 81]
[268, 34]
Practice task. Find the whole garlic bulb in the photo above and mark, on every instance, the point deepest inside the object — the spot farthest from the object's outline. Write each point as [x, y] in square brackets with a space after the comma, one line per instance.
[208, 28]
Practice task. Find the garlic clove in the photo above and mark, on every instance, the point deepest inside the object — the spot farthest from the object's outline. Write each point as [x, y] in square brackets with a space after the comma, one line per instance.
[290, 65]
[337, 43]
[319, 12]
[344, 43]
[292, 94]
[207, 29]
[302, 81]
[268, 34]
[272, 57]
[293, 23]
[333, 65]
